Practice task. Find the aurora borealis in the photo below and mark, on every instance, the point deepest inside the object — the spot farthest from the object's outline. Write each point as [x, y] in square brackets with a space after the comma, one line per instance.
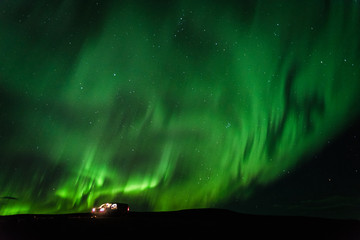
[168, 104]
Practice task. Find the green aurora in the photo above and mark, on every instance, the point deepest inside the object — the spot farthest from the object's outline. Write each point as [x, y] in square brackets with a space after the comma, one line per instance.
[167, 105]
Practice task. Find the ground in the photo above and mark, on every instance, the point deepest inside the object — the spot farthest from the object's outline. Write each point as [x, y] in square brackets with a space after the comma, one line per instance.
[187, 224]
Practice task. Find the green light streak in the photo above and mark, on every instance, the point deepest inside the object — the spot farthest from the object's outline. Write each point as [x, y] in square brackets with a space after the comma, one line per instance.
[180, 109]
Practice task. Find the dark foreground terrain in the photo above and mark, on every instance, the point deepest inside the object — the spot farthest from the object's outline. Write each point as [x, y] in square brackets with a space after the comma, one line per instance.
[186, 224]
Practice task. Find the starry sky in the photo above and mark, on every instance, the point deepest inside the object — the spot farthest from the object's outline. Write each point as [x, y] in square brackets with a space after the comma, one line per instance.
[247, 105]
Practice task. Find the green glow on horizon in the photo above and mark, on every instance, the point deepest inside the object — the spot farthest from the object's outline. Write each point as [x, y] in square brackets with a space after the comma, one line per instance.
[180, 109]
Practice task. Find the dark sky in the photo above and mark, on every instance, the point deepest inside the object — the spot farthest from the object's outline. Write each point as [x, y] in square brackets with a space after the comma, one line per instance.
[247, 105]
[327, 184]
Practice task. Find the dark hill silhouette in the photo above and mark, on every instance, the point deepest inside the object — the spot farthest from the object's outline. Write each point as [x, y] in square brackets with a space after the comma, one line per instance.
[184, 224]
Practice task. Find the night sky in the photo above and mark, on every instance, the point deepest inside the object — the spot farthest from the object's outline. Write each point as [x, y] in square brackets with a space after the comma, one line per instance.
[247, 105]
